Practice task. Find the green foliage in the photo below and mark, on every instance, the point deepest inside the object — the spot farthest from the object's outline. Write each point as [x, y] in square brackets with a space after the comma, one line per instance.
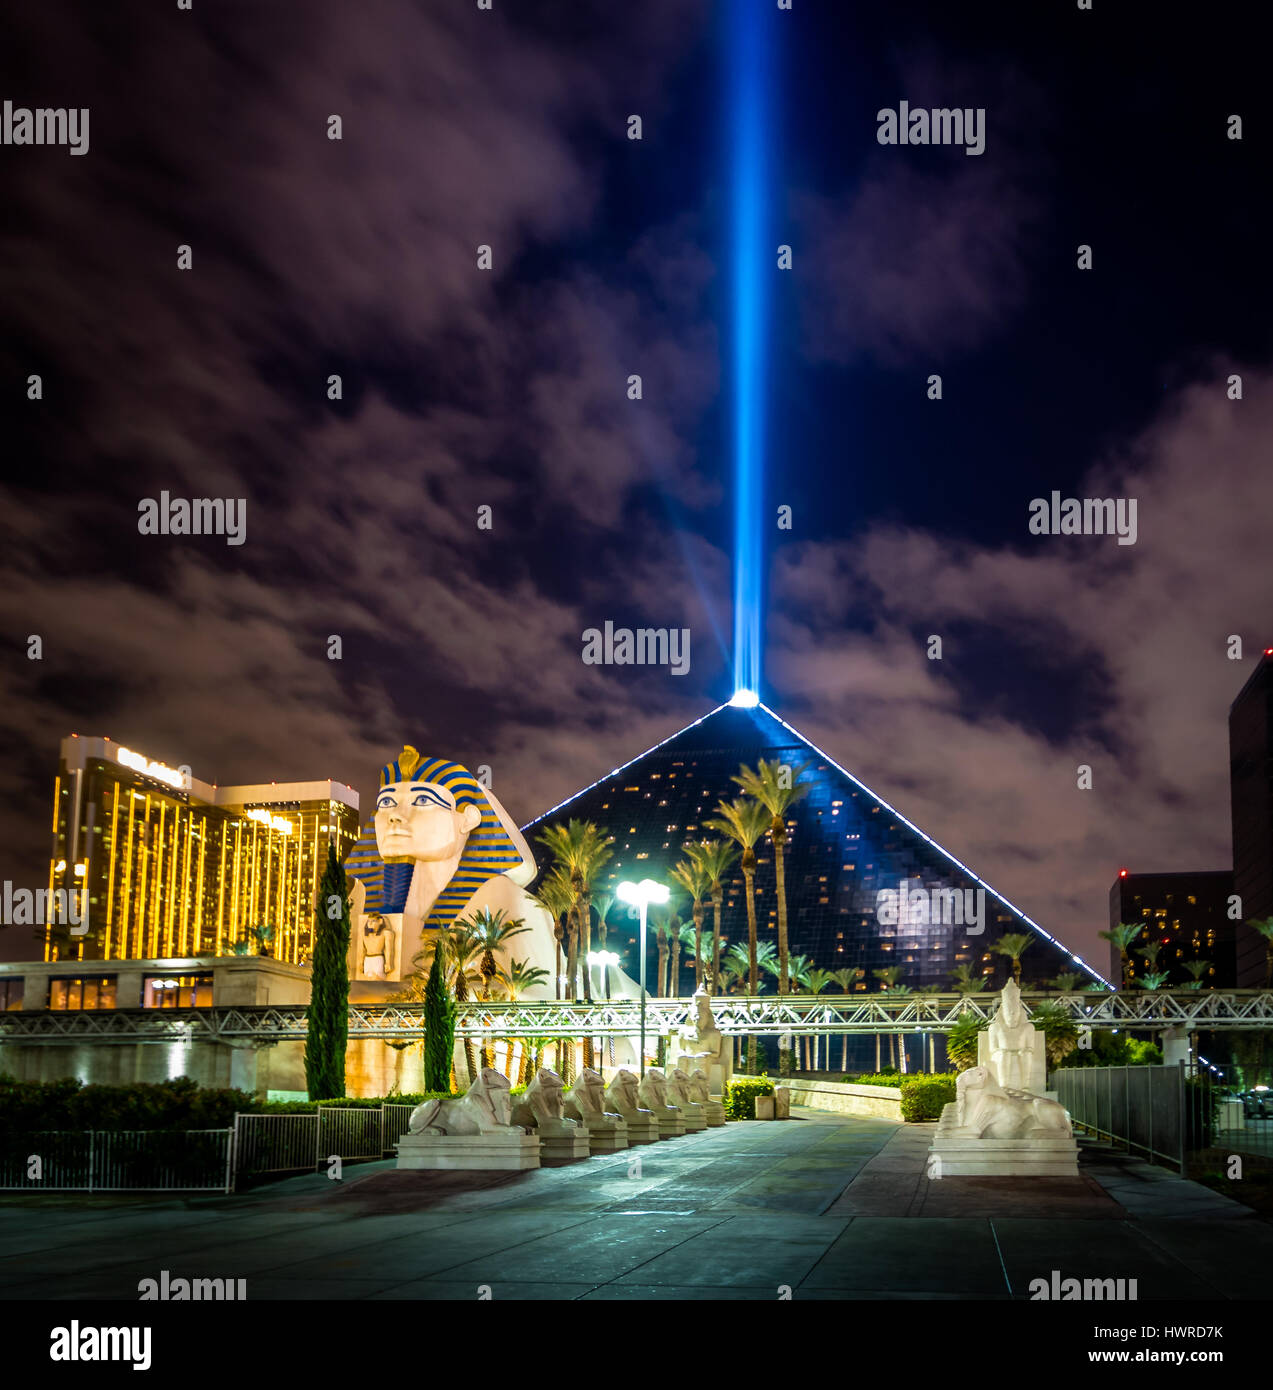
[62, 1105]
[878, 1078]
[1113, 1050]
[327, 1018]
[1060, 1034]
[740, 1097]
[439, 1028]
[923, 1096]
[961, 1041]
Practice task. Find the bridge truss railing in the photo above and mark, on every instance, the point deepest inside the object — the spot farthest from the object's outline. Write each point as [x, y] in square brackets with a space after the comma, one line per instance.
[246, 1025]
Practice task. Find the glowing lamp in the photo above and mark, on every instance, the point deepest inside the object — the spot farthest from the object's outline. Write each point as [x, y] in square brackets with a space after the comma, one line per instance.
[744, 699]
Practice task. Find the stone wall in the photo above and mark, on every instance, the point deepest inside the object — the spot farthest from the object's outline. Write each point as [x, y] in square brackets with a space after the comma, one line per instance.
[845, 1098]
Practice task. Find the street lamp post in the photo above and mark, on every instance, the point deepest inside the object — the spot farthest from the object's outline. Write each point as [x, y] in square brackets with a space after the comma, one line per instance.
[642, 895]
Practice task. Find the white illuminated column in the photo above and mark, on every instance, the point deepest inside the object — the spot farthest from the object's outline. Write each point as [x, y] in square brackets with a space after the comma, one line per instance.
[642, 895]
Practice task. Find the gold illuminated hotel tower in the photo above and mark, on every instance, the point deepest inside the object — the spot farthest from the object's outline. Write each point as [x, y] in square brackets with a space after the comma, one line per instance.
[175, 867]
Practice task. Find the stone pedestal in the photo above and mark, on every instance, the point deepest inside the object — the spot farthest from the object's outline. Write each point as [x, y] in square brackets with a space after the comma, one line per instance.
[782, 1102]
[671, 1122]
[561, 1141]
[643, 1126]
[694, 1117]
[765, 1107]
[468, 1151]
[1040, 1156]
[607, 1134]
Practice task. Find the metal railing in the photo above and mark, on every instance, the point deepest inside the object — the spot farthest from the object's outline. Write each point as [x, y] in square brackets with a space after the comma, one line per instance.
[191, 1160]
[396, 1119]
[349, 1132]
[1142, 1108]
[821, 1014]
[274, 1144]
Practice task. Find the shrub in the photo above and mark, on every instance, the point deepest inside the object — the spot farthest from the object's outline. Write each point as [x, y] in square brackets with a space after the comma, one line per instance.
[740, 1097]
[924, 1096]
[961, 1040]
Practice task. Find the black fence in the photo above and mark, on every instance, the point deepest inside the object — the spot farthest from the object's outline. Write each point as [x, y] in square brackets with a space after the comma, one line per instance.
[1166, 1114]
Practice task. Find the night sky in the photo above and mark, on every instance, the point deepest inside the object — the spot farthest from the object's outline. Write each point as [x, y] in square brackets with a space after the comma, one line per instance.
[507, 388]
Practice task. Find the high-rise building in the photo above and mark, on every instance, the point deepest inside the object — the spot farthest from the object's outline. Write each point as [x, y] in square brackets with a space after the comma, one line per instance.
[173, 867]
[846, 847]
[1186, 915]
[1251, 802]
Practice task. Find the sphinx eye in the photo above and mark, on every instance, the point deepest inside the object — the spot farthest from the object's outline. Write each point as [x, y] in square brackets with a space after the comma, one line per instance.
[429, 799]
[385, 802]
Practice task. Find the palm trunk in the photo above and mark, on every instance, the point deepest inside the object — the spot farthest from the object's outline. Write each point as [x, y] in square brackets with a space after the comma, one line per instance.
[662, 964]
[780, 874]
[572, 962]
[557, 962]
[470, 1057]
[718, 903]
[877, 1053]
[674, 978]
[753, 967]
[698, 943]
[844, 1052]
[585, 923]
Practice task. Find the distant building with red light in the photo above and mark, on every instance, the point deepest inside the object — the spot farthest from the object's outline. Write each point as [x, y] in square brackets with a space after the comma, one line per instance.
[1186, 916]
[1251, 803]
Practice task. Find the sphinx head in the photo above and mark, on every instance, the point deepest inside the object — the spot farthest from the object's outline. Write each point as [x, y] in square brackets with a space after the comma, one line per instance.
[417, 819]
[498, 1092]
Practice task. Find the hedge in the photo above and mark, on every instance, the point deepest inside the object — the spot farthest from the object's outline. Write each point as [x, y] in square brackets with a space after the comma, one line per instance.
[740, 1096]
[180, 1104]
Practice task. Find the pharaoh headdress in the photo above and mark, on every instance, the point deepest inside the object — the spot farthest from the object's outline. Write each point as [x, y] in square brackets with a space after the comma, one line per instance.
[494, 845]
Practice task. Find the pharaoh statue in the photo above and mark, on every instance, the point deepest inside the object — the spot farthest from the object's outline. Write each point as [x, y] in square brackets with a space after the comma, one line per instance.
[441, 847]
[1013, 1047]
[705, 1046]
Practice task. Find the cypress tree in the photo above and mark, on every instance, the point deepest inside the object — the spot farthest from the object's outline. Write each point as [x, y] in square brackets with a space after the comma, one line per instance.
[327, 1018]
[439, 1029]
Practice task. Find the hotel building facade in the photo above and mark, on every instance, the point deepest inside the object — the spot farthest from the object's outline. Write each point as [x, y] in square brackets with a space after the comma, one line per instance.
[170, 867]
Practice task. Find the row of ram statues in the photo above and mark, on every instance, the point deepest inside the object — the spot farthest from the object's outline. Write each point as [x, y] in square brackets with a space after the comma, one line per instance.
[548, 1123]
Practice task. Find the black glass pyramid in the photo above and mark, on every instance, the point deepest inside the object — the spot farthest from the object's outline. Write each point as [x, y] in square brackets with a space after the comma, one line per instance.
[845, 845]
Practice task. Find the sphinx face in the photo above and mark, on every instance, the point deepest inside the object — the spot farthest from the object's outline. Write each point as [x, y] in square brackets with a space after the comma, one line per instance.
[420, 820]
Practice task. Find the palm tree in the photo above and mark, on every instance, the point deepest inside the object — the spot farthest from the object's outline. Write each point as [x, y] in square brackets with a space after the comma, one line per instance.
[1066, 981]
[1196, 969]
[493, 931]
[580, 851]
[689, 938]
[690, 874]
[715, 857]
[1014, 944]
[846, 979]
[1122, 936]
[888, 978]
[777, 787]
[745, 822]
[520, 976]
[1264, 925]
[966, 981]
[602, 901]
[660, 915]
[818, 980]
[1150, 954]
[555, 897]
[1154, 979]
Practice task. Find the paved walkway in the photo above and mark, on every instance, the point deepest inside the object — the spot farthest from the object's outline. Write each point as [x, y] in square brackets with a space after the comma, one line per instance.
[823, 1206]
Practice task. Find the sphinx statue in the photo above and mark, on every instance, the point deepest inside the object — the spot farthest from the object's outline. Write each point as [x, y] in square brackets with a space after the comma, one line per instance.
[1013, 1047]
[713, 1110]
[472, 1131]
[652, 1093]
[622, 1096]
[705, 1046]
[986, 1110]
[678, 1094]
[485, 1108]
[541, 1108]
[441, 847]
[584, 1102]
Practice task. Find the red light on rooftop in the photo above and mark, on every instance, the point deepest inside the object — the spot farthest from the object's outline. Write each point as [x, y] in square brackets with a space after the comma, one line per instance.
[1268, 651]
[1122, 873]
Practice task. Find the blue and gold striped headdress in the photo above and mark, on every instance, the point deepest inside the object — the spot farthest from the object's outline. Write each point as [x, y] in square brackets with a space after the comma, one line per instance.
[488, 851]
